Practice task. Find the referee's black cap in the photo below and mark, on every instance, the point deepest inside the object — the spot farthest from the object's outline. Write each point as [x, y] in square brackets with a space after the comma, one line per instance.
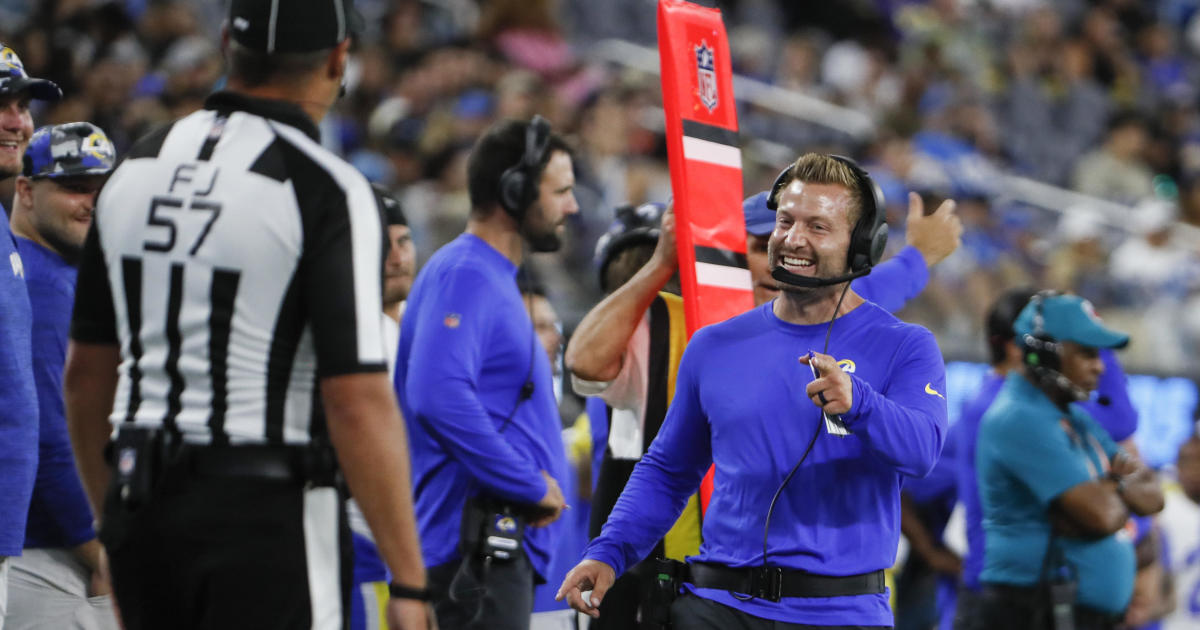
[293, 26]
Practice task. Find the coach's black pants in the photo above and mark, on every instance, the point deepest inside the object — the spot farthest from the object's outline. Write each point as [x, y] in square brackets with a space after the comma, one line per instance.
[690, 612]
[498, 598]
[229, 553]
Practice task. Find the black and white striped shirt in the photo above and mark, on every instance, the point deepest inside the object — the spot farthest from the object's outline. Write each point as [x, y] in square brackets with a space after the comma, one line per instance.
[235, 261]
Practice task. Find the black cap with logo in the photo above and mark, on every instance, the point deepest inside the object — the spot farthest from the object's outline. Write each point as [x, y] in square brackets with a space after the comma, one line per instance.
[292, 26]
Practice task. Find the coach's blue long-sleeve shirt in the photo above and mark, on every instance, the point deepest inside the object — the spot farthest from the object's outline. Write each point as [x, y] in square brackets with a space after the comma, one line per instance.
[59, 515]
[740, 403]
[466, 348]
[18, 397]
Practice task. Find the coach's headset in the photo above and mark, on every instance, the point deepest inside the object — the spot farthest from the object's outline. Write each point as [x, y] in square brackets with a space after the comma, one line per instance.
[1042, 354]
[1039, 349]
[867, 240]
[518, 184]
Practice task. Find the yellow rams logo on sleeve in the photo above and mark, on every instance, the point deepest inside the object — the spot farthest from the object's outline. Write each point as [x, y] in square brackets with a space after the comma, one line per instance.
[506, 524]
[847, 365]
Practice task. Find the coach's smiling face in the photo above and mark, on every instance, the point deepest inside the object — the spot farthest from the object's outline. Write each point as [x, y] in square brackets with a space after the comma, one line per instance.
[16, 127]
[812, 230]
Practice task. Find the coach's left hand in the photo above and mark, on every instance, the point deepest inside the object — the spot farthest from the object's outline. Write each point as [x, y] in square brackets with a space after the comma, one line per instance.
[832, 391]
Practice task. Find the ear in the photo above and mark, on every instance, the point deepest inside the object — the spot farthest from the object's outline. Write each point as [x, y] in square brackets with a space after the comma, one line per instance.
[24, 191]
[338, 58]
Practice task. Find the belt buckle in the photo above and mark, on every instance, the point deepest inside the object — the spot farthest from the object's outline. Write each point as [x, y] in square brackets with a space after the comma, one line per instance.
[768, 583]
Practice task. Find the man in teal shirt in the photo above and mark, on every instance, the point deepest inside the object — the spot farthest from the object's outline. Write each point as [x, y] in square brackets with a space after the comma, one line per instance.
[1056, 491]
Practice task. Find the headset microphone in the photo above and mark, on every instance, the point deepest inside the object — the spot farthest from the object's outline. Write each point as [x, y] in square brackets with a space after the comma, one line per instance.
[808, 282]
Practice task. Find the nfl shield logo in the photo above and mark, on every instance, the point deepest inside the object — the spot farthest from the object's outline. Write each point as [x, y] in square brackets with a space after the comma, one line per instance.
[706, 75]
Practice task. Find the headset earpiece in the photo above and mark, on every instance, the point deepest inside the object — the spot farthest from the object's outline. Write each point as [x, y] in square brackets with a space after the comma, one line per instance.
[517, 188]
[869, 237]
[1042, 350]
[780, 181]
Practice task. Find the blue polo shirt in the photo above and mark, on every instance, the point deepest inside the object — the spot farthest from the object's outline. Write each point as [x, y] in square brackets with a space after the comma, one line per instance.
[1118, 415]
[18, 396]
[968, 486]
[59, 515]
[467, 347]
[1025, 459]
[740, 404]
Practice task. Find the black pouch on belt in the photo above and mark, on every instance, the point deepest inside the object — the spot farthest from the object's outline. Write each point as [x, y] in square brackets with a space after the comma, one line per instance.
[137, 463]
[668, 577]
[491, 529]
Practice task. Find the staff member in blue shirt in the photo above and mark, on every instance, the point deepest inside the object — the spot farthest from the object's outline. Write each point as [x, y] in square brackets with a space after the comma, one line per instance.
[1056, 490]
[18, 394]
[1005, 357]
[477, 389]
[63, 563]
[747, 400]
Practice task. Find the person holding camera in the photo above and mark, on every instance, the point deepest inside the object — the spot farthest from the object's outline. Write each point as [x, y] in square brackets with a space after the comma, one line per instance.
[1056, 491]
[477, 389]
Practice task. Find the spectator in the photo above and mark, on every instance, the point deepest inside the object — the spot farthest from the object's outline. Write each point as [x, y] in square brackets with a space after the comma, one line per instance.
[1117, 170]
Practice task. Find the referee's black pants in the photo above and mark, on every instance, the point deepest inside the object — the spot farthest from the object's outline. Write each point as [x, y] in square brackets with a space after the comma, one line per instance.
[690, 612]
[230, 553]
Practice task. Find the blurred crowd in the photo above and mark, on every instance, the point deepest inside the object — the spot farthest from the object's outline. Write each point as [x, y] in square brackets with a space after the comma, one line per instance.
[1097, 96]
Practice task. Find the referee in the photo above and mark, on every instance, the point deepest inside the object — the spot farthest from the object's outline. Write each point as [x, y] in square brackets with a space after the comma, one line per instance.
[227, 322]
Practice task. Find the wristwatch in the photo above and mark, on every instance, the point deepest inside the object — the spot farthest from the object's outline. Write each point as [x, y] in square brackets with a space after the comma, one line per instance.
[400, 591]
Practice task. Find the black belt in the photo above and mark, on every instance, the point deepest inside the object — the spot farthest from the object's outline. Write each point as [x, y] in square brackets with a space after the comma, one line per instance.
[775, 583]
[271, 463]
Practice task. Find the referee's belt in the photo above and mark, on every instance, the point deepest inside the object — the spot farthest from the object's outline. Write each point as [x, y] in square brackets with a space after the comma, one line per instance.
[310, 464]
[775, 583]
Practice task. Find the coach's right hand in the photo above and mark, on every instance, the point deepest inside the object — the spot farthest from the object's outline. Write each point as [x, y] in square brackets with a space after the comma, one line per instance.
[589, 575]
[551, 506]
[410, 614]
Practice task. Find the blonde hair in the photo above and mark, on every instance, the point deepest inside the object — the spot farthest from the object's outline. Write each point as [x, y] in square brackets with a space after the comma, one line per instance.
[815, 168]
